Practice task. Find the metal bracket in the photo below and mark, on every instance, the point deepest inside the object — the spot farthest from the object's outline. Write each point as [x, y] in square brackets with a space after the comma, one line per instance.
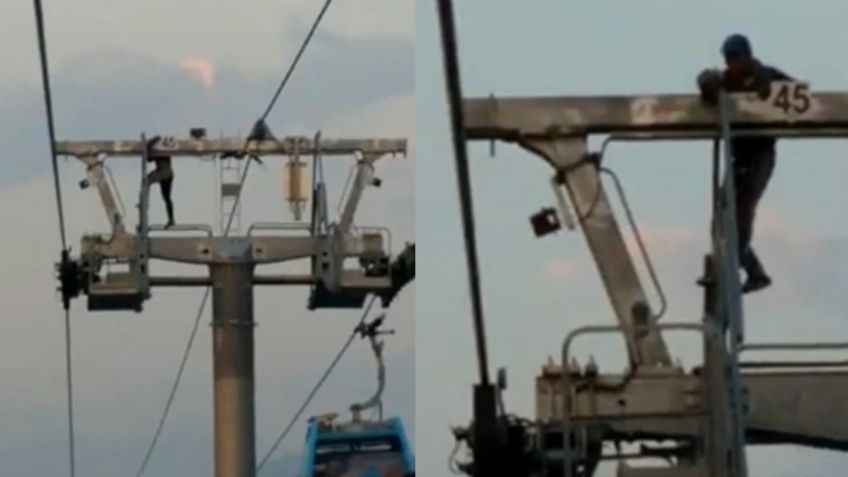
[371, 331]
[606, 243]
[94, 171]
[363, 178]
[649, 400]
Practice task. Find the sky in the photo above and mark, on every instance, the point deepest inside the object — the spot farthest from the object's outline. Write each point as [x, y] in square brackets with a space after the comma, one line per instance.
[537, 290]
[164, 67]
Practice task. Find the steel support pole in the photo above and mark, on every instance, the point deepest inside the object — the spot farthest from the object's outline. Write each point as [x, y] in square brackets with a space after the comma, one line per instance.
[232, 348]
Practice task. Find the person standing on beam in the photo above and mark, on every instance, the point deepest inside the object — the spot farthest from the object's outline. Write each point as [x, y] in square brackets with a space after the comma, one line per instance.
[753, 157]
[164, 175]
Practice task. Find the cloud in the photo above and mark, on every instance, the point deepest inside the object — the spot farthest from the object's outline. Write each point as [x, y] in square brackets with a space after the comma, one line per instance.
[807, 268]
[159, 28]
[772, 230]
[107, 93]
[558, 268]
[661, 240]
[201, 69]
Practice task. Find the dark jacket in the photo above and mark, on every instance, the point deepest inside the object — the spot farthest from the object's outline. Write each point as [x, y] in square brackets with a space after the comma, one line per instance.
[162, 162]
[751, 147]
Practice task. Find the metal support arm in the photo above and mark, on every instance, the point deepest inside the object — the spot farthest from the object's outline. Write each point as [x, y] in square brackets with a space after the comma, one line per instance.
[363, 178]
[645, 346]
[94, 171]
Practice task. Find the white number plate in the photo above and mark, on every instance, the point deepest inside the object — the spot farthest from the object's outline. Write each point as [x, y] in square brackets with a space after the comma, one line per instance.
[168, 142]
[791, 98]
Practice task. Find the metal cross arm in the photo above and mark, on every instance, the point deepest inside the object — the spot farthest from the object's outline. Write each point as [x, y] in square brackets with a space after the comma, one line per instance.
[207, 250]
[113, 290]
[527, 117]
[235, 146]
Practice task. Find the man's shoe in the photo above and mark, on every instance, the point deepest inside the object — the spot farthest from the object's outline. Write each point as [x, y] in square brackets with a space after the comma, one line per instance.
[755, 283]
[169, 224]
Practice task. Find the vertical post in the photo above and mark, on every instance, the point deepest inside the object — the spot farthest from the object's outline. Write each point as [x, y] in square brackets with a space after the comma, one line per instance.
[731, 294]
[487, 457]
[714, 376]
[232, 348]
[143, 242]
[144, 193]
[716, 182]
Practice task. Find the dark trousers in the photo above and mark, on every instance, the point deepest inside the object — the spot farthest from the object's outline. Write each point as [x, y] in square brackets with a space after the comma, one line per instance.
[752, 172]
[165, 178]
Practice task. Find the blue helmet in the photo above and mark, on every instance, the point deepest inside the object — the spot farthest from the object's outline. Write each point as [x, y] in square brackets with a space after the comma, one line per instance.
[736, 46]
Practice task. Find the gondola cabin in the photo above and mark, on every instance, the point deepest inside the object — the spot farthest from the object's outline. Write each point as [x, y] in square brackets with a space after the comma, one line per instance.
[357, 449]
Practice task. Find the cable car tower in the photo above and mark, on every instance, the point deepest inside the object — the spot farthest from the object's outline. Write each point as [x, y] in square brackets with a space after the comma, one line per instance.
[233, 261]
[705, 417]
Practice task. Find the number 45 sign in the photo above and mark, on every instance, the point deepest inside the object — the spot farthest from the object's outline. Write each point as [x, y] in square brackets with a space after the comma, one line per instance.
[792, 98]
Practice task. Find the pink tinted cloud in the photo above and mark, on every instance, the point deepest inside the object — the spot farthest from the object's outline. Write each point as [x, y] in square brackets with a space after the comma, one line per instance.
[558, 268]
[773, 223]
[665, 242]
[201, 69]
[662, 240]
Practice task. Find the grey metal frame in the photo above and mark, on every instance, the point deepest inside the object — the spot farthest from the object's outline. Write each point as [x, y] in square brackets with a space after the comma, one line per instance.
[231, 261]
[606, 243]
[657, 117]
[567, 386]
[238, 146]
[742, 408]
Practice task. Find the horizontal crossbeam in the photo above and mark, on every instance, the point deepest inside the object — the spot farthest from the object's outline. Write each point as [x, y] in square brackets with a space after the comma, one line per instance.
[805, 407]
[162, 281]
[205, 250]
[236, 146]
[515, 118]
[784, 407]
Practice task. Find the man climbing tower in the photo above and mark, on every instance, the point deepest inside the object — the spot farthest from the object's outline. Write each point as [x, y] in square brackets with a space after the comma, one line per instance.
[753, 157]
[164, 175]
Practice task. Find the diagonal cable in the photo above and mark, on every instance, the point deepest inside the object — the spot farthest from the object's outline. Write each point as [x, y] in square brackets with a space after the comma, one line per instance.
[48, 103]
[463, 177]
[296, 60]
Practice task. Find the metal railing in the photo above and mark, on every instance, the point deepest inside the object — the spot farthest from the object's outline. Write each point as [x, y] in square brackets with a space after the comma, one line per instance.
[567, 456]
